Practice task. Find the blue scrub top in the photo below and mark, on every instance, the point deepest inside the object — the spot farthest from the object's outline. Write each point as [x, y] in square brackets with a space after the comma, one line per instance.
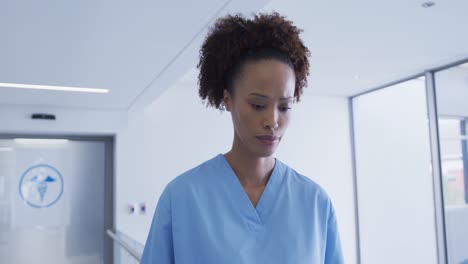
[204, 216]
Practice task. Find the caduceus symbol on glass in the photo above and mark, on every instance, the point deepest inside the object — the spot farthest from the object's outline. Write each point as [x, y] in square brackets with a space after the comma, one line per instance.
[41, 180]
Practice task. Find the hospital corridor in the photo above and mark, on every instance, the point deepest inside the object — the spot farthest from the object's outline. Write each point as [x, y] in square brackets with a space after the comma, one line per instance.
[233, 131]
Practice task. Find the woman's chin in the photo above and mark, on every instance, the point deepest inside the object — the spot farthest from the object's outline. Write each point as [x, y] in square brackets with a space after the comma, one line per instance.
[265, 152]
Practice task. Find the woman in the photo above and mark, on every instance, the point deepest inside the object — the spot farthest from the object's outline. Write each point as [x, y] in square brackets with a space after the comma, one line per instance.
[246, 206]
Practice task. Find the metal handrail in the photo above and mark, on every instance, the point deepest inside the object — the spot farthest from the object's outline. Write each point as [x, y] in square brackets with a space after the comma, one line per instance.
[125, 245]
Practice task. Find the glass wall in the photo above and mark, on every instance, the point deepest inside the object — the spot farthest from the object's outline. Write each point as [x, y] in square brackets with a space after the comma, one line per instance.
[393, 175]
[410, 209]
[452, 102]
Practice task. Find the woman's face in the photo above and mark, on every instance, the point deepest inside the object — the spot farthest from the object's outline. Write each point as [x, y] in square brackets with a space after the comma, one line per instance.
[260, 106]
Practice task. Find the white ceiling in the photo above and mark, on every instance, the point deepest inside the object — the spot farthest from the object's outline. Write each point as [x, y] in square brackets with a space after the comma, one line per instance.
[137, 49]
[359, 45]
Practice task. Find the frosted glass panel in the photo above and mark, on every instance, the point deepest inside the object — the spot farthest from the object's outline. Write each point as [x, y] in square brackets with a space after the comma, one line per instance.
[51, 201]
[394, 180]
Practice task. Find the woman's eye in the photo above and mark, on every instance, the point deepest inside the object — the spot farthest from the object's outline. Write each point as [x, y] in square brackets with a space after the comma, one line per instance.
[285, 108]
[257, 107]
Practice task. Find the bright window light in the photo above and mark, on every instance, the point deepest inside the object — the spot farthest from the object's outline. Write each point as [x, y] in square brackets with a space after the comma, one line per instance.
[464, 65]
[53, 88]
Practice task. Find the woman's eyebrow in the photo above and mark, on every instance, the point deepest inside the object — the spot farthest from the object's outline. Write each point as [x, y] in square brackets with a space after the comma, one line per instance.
[267, 97]
[259, 95]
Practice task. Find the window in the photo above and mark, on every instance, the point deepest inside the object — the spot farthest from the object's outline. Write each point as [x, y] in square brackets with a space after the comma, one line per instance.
[453, 146]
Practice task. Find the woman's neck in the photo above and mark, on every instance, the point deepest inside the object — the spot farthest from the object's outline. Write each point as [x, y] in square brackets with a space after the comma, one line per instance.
[251, 170]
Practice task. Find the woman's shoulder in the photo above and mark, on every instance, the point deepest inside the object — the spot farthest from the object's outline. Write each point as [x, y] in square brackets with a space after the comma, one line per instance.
[200, 174]
[305, 184]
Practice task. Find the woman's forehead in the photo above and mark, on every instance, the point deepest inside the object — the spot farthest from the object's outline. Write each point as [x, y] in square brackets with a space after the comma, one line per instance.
[267, 78]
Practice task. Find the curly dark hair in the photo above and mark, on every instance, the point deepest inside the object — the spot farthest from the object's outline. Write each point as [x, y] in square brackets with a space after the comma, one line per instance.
[234, 40]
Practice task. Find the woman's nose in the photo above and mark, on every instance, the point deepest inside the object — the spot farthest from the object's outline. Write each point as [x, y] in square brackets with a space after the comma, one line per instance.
[270, 120]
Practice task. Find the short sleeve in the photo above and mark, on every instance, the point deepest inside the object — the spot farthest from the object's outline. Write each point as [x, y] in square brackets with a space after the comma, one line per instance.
[333, 253]
[159, 244]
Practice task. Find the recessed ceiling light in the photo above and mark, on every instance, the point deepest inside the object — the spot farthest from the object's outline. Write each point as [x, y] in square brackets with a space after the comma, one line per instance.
[428, 4]
[357, 77]
[40, 141]
[6, 149]
[53, 88]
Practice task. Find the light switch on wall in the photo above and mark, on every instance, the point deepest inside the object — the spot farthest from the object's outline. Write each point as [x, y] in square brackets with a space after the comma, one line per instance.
[131, 208]
[142, 208]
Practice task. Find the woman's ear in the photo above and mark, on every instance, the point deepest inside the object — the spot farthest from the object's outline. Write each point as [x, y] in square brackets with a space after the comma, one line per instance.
[227, 100]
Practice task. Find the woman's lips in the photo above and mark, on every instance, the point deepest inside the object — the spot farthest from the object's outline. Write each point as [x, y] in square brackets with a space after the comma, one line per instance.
[268, 140]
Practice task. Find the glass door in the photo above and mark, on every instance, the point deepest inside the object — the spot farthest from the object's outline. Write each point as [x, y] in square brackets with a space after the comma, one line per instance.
[53, 201]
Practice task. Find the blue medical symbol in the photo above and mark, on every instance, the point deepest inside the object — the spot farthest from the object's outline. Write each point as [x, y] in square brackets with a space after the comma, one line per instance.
[41, 186]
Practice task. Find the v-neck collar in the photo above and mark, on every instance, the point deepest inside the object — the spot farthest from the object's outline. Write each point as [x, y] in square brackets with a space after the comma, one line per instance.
[257, 214]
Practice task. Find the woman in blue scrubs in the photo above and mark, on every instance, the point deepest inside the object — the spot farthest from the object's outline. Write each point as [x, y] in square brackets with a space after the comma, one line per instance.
[245, 206]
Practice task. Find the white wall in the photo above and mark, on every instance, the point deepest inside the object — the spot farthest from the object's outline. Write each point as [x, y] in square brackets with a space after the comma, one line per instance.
[177, 132]
[160, 142]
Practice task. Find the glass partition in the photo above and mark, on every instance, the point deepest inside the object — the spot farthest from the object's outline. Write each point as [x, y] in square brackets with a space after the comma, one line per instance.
[452, 103]
[393, 175]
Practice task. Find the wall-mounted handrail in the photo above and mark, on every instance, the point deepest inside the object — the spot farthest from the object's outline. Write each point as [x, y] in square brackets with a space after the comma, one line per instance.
[125, 245]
